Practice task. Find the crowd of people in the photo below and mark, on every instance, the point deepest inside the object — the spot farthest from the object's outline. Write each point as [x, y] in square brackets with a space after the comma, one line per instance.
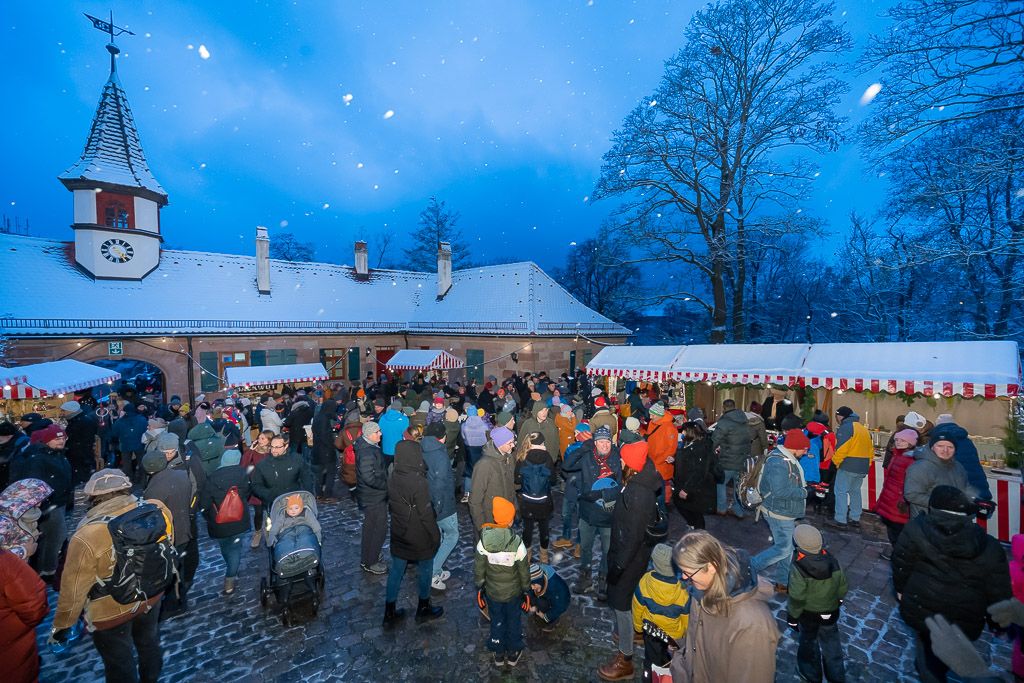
[411, 453]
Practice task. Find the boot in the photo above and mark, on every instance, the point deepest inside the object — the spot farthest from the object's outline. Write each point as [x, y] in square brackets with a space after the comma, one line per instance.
[602, 588]
[392, 615]
[229, 585]
[583, 584]
[543, 555]
[257, 536]
[619, 669]
[426, 612]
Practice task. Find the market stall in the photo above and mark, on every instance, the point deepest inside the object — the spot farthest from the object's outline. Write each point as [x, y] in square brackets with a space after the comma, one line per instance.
[272, 378]
[424, 361]
[42, 387]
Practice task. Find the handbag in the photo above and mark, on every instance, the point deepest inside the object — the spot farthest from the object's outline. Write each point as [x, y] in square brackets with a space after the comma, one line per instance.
[231, 508]
[657, 531]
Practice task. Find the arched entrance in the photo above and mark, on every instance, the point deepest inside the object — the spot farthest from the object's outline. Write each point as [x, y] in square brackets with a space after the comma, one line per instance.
[139, 379]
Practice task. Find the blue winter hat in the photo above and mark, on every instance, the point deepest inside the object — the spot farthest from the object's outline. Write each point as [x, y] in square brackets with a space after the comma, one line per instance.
[232, 456]
[583, 427]
[603, 433]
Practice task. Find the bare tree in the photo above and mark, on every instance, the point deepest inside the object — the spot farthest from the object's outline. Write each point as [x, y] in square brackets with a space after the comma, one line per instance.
[436, 224]
[721, 143]
[287, 248]
[599, 279]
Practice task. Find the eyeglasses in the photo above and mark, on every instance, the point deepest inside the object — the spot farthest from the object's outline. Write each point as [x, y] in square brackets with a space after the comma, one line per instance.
[689, 577]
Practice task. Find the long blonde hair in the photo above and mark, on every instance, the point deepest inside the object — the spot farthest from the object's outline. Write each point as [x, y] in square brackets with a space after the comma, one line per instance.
[698, 549]
[526, 444]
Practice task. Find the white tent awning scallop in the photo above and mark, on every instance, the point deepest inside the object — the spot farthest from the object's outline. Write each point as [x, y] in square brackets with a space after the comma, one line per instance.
[740, 363]
[274, 374]
[54, 378]
[642, 363]
[423, 360]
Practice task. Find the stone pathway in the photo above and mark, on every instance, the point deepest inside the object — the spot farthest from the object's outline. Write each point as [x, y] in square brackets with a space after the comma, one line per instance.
[234, 639]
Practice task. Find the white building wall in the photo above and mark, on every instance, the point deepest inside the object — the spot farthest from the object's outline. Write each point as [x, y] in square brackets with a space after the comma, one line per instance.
[85, 206]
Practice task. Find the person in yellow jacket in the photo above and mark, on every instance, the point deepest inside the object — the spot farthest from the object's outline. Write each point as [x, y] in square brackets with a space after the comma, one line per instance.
[854, 451]
[121, 633]
[662, 599]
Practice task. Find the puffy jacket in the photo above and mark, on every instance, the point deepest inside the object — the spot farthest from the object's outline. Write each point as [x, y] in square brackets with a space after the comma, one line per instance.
[629, 552]
[276, 476]
[539, 505]
[662, 600]
[173, 488]
[944, 563]
[217, 486]
[23, 606]
[323, 433]
[891, 504]
[547, 428]
[493, 475]
[371, 473]
[816, 584]
[732, 437]
[392, 425]
[209, 443]
[781, 487]
[662, 442]
[90, 557]
[415, 535]
[967, 455]
[42, 462]
[566, 426]
[439, 477]
[694, 473]
[927, 472]
[604, 418]
[854, 449]
[584, 461]
[271, 420]
[500, 566]
[759, 435]
[474, 431]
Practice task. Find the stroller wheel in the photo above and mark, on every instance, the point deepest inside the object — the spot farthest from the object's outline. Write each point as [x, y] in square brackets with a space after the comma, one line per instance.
[316, 607]
[264, 592]
[286, 619]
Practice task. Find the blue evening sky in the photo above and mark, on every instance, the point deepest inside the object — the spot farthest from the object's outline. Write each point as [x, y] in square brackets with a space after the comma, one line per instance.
[338, 120]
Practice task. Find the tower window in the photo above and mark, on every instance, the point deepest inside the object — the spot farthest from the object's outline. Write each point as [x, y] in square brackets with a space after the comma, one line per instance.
[116, 217]
[115, 210]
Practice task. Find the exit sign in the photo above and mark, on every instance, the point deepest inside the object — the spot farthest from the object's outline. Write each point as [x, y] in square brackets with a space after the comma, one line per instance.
[115, 348]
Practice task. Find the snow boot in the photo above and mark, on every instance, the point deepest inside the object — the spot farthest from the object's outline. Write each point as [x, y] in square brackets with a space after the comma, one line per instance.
[392, 615]
[543, 555]
[426, 612]
[583, 584]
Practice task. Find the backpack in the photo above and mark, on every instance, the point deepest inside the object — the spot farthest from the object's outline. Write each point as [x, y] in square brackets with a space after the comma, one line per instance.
[210, 451]
[749, 487]
[349, 454]
[231, 508]
[145, 560]
[536, 480]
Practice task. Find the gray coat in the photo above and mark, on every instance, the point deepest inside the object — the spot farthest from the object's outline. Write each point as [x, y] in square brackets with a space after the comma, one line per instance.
[494, 475]
[927, 472]
[732, 436]
[173, 488]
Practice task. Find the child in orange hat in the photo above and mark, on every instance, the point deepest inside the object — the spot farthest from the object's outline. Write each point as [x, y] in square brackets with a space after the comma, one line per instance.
[503, 576]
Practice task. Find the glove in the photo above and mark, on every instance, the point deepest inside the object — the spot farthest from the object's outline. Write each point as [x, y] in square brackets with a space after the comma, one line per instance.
[793, 623]
[59, 636]
[1007, 612]
[526, 603]
[957, 652]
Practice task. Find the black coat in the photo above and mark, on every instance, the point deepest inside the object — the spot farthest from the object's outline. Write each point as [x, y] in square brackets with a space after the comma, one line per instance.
[694, 473]
[629, 551]
[414, 532]
[46, 464]
[323, 433]
[275, 476]
[536, 509]
[301, 414]
[946, 564]
[371, 473]
[81, 443]
[217, 486]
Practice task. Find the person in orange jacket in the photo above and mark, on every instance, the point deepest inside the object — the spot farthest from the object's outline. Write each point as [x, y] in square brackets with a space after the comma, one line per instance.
[662, 441]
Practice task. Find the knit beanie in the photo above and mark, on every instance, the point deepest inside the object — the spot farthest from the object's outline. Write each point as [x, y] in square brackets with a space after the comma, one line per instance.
[807, 538]
[501, 436]
[634, 455]
[908, 435]
[632, 424]
[503, 511]
[935, 438]
[661, 559]
[915, 420]
[796, 440]
[451, 415]
[658, 409]
[370, 428]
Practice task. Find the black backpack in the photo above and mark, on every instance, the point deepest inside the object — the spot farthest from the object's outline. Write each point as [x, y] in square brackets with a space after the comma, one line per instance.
[536, 481]
[145, 560]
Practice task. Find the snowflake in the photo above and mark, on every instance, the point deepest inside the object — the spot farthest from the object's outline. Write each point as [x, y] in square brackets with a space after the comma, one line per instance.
[388, 114]
[203, 52]
[870, 93]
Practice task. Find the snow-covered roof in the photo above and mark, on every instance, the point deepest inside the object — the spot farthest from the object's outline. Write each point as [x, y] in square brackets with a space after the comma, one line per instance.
[56, 377]
[424, 359]
[275, 374]
[113, 153]
[216, 294]
[967, 368]
[649, 363]
[740, 363]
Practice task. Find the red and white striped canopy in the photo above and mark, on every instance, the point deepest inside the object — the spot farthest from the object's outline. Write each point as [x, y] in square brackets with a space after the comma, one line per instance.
[641, 363]
[260, 375]
[424, 359]
[54, 378]
[740, 363]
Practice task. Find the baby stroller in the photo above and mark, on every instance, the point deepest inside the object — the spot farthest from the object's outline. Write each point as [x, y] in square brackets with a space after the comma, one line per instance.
[296, 571]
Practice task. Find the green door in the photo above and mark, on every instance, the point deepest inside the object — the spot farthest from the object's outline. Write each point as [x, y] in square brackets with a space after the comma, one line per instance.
[475, 365]
[353, 364]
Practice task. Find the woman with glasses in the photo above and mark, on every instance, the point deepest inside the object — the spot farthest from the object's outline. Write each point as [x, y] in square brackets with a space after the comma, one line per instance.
[732, 634]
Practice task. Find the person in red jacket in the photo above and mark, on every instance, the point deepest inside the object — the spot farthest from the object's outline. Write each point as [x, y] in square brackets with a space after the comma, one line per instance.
[891, 506]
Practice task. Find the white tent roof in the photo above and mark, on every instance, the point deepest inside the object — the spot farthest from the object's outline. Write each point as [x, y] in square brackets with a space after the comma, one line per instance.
[740, 363]
[650, 363]
[57, 377]
[424, 359]
[968, 369]
[275, 374]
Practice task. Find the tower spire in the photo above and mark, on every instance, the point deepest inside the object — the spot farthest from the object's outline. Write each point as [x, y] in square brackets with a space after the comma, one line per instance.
[111, 30]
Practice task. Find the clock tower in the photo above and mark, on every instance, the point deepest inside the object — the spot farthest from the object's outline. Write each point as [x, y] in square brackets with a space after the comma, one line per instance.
[117, 200]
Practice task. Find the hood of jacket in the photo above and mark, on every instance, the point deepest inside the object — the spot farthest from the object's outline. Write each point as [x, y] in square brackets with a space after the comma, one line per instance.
[203, 430]
[491, 451]
[409, 461]
[950, 430]
[818, 566]
[537, 407]
[433, 448]
[391, 416]
[734, 415]
[954, 535]
[496, 539]
[852, 417]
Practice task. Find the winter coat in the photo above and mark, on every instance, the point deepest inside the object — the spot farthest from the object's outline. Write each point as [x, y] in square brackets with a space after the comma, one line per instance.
[42, 462]
[23, 606]
[173, 488]
[538, 505]
[810, 463]
[944, 563]
[486, 401]
[128, 430]
[501, 567]
[275, 476]
[739, 646]
[250, 458]
[585, 461]
[81, 431]
[271, 421]
[732, 437]
[663, 601]
[629, 552]
[547, 428]
[816, 584]
[604, 418]
[694, 473]
[453, 439]
[415, 535]
[781, 486]
[967, 455]
[392, 425]
[662, 442]
[566, 426]
[475, 431]
[759, 445]
[323, 433]
[854, 449]
[371, 474]
[891, 504]
[552, 600]
[927, 472]
[300, 415]
[217, 486]
[90, 557]
[493, 475]
[208, 443]
[440, 477]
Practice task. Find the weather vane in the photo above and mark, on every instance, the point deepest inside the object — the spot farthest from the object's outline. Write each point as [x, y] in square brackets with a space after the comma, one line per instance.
[110, 29]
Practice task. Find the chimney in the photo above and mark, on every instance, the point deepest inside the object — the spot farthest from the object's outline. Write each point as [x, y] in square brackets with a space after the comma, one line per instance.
[362, 260]
[444, 268]
[262, 260]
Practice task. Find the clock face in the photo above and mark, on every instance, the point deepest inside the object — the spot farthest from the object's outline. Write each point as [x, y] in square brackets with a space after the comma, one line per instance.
[117, 251]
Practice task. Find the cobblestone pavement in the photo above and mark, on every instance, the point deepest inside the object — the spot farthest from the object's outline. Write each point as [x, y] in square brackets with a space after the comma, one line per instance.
[234, 639]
